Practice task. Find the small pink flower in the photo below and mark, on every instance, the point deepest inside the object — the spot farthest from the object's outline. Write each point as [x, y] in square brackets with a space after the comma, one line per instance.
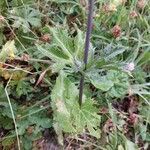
[130, 66]
[133, 14]
[45, 38]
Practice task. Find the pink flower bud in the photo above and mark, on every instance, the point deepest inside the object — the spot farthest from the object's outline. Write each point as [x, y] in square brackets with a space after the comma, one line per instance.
[116, 31]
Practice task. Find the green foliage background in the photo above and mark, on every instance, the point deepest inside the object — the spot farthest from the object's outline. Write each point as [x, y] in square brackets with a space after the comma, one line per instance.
[40, 72]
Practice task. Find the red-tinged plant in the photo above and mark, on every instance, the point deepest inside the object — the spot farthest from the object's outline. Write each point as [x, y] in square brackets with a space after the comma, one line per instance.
[133, 119]
[116, 31]
[45, 38]
[133, 14]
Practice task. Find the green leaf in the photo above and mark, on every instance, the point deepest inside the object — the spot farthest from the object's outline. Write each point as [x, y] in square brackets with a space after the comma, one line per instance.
[79, 44]
[1, 36]
[65, 49]
[103, 84]
[6, 143]
[144, 57]
[40, 120]
[57, 56]
[100, 82]
[6, 123]
[62, 40]
[24, 17]
[2, 93]
[88, 116]
[22, 126]
[68, 116]
[26, 142]
[23, 88]
[130, 145]
[120, 147]
[116, 82]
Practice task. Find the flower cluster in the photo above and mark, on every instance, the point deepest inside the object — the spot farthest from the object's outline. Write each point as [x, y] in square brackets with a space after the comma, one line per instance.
[116, 31]
[141, 4]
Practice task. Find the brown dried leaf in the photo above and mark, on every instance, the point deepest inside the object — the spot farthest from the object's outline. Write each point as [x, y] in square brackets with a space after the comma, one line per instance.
[41, 78]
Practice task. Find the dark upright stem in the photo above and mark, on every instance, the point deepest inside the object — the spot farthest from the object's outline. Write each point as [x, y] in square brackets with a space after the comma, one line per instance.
[87, 45]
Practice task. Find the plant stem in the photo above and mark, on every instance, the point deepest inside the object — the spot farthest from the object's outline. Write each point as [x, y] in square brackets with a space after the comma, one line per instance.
[87, 45]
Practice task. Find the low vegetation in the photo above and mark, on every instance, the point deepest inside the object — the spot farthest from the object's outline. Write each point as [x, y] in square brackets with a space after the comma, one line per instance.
[42, 61]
